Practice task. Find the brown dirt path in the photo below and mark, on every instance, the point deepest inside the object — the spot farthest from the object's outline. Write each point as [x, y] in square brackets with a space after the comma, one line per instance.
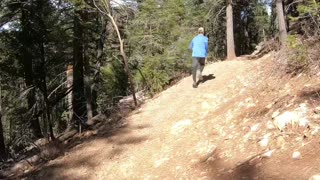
[183, 133]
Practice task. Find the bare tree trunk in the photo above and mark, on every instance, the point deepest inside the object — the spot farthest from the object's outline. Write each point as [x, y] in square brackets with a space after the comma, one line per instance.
[44, 90]
[125, 60]
[127, 69]
[87, 82]
[282, 23]
[107, 13]
[41, 67]
[88, 92]
[3, 153]
[230, 35]
[69, 75]
[78, 95]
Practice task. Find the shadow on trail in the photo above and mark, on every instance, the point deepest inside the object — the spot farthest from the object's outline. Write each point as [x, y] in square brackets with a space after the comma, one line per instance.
[87, 153]
[223, 170]
[246, 170]
[208, 78]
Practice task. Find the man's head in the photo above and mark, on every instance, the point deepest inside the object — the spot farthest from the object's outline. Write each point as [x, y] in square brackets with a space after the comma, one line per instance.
[201, 30]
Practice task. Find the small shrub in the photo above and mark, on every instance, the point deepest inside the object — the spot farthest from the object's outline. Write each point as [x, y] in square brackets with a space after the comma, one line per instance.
[297, 55]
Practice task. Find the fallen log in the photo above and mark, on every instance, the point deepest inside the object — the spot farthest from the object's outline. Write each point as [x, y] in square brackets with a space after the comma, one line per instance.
[263, 48]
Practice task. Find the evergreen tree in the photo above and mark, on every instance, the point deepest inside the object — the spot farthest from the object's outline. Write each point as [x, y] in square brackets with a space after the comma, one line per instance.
[78, 94]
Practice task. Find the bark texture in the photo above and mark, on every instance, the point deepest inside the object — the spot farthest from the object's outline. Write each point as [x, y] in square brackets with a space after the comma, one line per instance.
[230, 35]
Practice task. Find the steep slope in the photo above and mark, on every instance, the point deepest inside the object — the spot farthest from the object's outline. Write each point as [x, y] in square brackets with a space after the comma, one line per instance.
[220, 130]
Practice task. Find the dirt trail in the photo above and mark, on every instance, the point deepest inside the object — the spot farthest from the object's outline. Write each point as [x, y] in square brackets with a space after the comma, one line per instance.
[183, 133]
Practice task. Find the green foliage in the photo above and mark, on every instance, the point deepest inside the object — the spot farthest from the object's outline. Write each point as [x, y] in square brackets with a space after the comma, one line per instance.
[308, 17]
[159, 40]
[157, 72]
[44, 31]
[309, 7]
[251, 20]
[114, 85]
[298, 55]
[216, 29]
[262, 20]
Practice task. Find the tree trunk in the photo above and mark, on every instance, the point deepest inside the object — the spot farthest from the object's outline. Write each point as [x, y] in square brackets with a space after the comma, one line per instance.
[125, 60]
[69, 75]
[42, 66]
[230, 36]
[88, 92]
[78, 95]
[127, 69]
[107, 12]
[27, 60]
[3, 153]
[87, 79]
[282, 23]
[44, 90]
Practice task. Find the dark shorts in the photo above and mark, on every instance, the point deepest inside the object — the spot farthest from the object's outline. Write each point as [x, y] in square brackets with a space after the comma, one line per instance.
[201, 61]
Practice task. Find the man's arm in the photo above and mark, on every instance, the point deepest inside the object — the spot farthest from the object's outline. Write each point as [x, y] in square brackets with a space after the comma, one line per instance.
[207, 50]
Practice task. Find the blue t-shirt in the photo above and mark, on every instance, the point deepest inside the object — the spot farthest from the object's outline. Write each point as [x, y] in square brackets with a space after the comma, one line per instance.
[199, 46]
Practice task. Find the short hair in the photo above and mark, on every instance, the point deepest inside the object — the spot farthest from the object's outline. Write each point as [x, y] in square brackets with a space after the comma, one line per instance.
[201, 30]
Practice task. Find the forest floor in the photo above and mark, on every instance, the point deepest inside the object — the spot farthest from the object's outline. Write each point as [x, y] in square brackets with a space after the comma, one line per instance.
[224, 129]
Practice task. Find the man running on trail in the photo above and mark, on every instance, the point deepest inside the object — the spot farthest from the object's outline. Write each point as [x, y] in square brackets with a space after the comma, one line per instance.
[199, 47]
